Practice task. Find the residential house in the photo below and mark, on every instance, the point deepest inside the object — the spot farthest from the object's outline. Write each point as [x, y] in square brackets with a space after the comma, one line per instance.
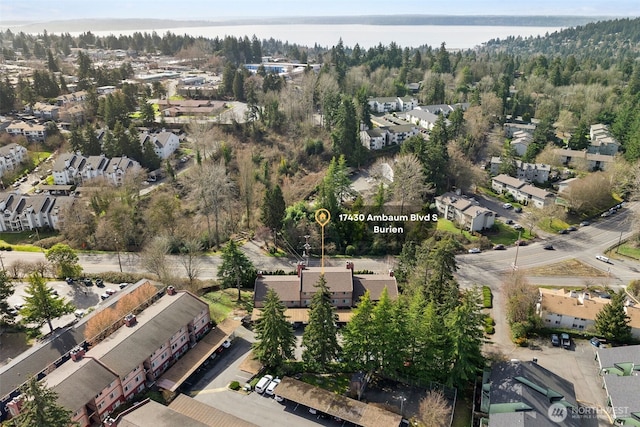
[296, 291]
[601, 141]
[164, 143]
[392, 103]
[11, 156]
[620, 371]
[524, 394]
[74, 169]
[399, 133]
[510, 129]
[71, 98]
[530, 172]
[577, 310]
[421, 118]
[521, 191]
[380, 137]
[24, 212]
[520, 142]
[565, 184]
[32, 131]
[464, 212]
[45, 111]
[590, 161]
[96, 381]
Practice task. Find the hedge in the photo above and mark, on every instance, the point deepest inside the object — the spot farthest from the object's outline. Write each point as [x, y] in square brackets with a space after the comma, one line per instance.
[487, 297]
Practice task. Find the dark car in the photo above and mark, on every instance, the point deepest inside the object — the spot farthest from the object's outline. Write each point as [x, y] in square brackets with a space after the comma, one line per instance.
[499, 247]
[572, 228]
[595, 342]
[584, 223]
[563, 232]
[100, 283]
[70, 281]
[521, 243]
[555, 341]
[509, 221]
[566, 341]
[518, 209]
[548, 247]
[87, 281]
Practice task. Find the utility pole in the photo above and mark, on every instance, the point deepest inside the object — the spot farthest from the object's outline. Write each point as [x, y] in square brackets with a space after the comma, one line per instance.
[118, 252]
[515, 261]
[307, 248]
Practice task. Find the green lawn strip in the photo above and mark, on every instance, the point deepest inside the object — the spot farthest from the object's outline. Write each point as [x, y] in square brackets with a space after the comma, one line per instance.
[446, 225]
[506, 235]
[552, 226]
[628, 251]
[222, 302]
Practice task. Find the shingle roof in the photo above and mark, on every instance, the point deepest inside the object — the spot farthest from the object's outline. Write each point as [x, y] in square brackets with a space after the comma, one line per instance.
[375, 283]
[612, 355]
[508, 180]
[77, 383]
[209, 415]
[287, 287]
[339, 279]
[154, 414]
[623, 394]
[129, 346]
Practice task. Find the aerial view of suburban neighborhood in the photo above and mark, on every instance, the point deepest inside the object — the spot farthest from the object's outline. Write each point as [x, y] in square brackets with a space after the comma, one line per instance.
[209, 224]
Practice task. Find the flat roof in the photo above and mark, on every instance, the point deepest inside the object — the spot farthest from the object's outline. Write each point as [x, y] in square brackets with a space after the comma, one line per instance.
[336, 405]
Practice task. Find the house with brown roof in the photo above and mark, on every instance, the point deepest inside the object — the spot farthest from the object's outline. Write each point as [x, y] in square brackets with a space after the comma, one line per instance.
[578, 310]
[521, 191]
[296, 291]
[31, 131]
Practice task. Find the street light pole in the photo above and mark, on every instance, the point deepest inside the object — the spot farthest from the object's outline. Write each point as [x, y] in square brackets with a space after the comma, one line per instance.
[118, 252]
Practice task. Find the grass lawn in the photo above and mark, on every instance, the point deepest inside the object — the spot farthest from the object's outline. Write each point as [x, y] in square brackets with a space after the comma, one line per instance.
[446, 225]
[568, 268]
[506, 235]
[462, 412]
[552, 226]
[337, 383]
[23, 240]
[628, 251]
[222, 302]
[39, 156]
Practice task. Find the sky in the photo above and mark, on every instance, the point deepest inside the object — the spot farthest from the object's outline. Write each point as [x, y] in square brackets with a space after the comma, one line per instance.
[49, 10]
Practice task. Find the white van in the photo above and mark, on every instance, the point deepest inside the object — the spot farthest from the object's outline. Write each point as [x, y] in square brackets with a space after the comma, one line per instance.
[263, 383]
[602, 258]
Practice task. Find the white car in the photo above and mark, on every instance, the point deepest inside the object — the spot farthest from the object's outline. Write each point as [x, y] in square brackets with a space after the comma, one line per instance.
[263, 383]
[272, 385]
[474, 251]
[602, 258]
[507, 206]
[226, 344]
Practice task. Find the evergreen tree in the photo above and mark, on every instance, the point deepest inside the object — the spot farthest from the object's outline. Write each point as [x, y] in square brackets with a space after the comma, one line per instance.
[91, 143]
[228, 76]
[236, 269]
[273, 208]
[612, 321]
[465, 326]
[147, 113]
[52, 64]
[433, 361]
[6, 290]
[275, 342]
[383, 327]
[238, 86]
[41, 408]
[7, 96]
[358, 336]
[109, 144]
[76, 140]
[579, 140]
[320, 340]
[40, 305]
[345, 138]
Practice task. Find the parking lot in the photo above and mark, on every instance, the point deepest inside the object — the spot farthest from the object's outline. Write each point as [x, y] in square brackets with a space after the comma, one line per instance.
[211, 387]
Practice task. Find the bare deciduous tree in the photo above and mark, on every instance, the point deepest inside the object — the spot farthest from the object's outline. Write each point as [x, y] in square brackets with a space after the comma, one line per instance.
[522, 298]
[591, 193]
[246, 184]
[191, 258]
[154, 257]
[434, 410]
[408, 181]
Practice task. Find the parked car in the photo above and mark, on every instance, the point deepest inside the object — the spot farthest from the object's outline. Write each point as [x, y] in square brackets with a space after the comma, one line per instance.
[499, 247]
[518, 209]
[572, 228]
[278, 398]
[507, 206]
[517, 227]
[521, 243]
[272, 386]
[79, 313]
[555, 340]
[100, 283]
[123, 285]
[87, 281]
[566, 341]
[109, 291]
[70, 280]
[104, 296]
[605, 214]
[548, 247]
[226, 344]
[263, 383]
[563, 231]
[509, 221]
[584, 223]
[474, 251]
[595, 342]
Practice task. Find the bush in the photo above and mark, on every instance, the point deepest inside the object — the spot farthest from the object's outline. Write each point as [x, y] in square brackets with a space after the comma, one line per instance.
[350, 250]
[235, 385]
[634, 288]
[487, 297]
[489, 325]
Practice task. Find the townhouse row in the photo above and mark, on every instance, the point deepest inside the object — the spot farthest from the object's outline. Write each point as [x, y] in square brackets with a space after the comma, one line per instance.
[23, 212]
[97, 380]
[524, 193]
[75, 169]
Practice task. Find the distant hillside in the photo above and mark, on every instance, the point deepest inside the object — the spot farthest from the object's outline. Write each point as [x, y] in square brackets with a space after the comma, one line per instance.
[158, 24]
[605, 40]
